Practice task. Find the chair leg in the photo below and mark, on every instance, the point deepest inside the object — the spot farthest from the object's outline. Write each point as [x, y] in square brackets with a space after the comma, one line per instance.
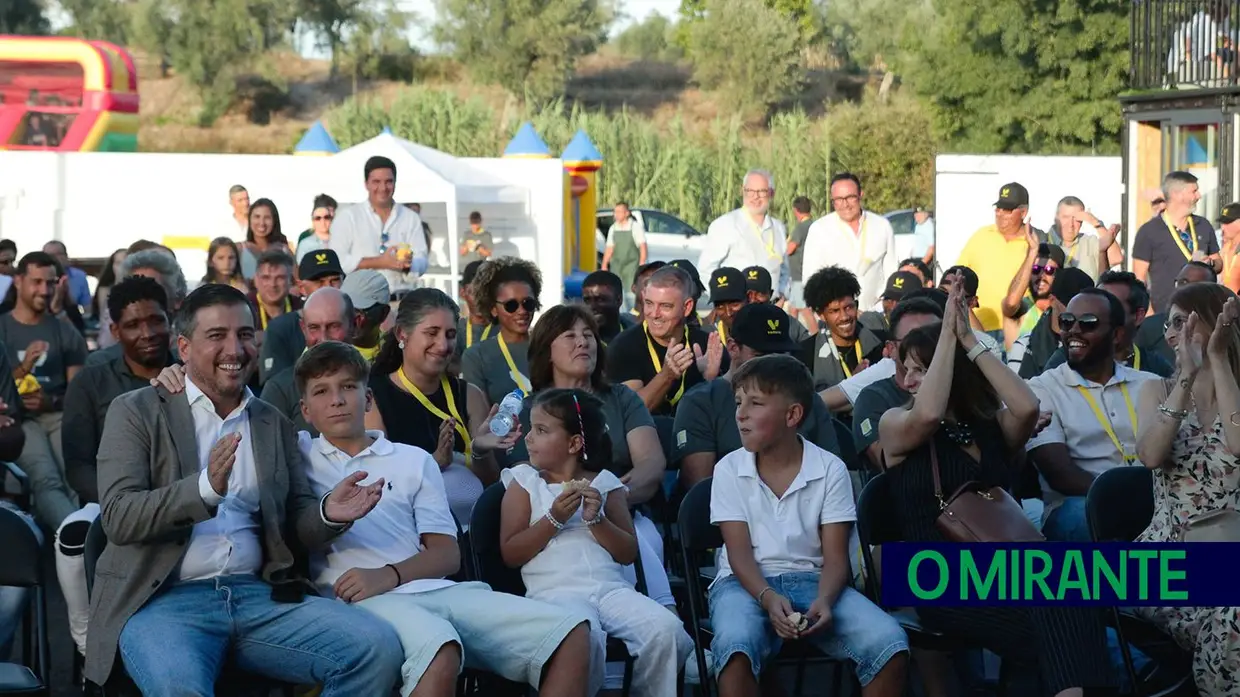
[800, 681]
[626, 687]
[1126, 651]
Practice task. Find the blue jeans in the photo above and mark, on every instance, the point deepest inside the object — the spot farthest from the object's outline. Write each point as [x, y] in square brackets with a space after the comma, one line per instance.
[13, 599]
[1067, 523]
[178, 642]
[860, 631]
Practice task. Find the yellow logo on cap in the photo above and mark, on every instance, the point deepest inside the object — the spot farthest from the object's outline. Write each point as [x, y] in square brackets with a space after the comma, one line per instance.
[753, 273]
[1005, 193]
[320, 258]
[721, 281]
[774, 326]
[898, 283]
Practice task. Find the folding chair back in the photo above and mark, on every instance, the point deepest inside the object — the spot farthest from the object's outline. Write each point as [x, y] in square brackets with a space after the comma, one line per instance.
[23, 568]
[1120, 504]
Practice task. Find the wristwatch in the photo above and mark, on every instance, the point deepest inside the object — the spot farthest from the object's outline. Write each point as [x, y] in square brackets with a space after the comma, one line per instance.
[978, 349]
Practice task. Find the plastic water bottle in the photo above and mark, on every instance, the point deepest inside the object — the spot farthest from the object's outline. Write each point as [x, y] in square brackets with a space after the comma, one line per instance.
[506, 417]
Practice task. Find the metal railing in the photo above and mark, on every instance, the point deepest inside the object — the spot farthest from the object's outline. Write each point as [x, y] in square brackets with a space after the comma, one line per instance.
[1184, 44]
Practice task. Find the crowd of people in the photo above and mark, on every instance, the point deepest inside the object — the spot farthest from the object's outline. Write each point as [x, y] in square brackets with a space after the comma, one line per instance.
[285, 460]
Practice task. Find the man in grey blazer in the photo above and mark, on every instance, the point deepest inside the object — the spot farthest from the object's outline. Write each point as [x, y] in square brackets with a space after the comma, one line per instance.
[198, 491]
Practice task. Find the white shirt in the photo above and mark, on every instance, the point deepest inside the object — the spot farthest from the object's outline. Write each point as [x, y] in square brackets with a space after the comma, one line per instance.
[733, 239]
[785, 531]
[357, 233]
[635, 228]
[1075, 424]
[870, 252]
[413, 504]
[232, 229]
[228, 543]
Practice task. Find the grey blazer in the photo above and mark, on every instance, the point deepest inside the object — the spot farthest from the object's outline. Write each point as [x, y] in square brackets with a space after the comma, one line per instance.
[148, 492]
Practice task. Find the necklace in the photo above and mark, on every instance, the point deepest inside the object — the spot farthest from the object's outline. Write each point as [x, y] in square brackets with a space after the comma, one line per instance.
[958, 433]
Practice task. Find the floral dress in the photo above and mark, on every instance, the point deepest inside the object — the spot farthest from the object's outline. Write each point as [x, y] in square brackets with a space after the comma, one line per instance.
[1204, 478]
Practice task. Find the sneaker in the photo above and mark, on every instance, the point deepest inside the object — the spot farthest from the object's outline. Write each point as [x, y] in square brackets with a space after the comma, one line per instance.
[691, 667]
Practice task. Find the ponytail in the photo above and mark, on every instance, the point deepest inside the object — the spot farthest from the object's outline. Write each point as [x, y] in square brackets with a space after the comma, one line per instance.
[389, 358]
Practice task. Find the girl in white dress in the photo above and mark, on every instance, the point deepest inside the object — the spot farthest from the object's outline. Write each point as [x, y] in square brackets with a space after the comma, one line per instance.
[566, 523]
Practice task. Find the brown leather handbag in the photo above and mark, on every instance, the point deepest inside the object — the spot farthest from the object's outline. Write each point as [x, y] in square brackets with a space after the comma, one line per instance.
[977, 513]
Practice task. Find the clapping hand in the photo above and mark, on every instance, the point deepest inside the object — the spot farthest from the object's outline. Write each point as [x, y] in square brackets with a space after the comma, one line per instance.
[1188, 350]
[220, 462]
[678, 358]
[956, 315]
[1225, 328]
[708, 363]
[446, 443]
[350, 501]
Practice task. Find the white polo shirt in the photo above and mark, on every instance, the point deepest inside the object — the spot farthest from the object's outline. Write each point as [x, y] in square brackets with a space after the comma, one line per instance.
[785, 531]
[870, 252]
[357, 233]
[413, 504]
[733, 239]
[1075, 424]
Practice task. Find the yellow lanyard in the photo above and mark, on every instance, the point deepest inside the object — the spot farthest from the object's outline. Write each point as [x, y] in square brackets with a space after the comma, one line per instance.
[658, 364]
[262, 311]
[469, 333]
[517, 377]
[447, 393]
[1175, 235]
[857, 348]
[1136, 359]
[1106, 423]
[723, 334]
[1072, 250]
[757, 230]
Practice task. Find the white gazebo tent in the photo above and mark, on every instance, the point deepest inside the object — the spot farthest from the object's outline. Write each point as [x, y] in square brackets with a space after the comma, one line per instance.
[428, 175]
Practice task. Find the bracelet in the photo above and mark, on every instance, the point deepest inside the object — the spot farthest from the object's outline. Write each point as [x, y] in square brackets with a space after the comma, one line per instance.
[1178, 415]
[557, 524]
[396, 571]
[764, 590]
[596, 519]
[976, 352]
[1234, 419]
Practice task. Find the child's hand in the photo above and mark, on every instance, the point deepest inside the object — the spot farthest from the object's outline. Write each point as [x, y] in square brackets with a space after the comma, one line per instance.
[819, 615]
[356, 584]
[778, 607]
[565, 505]
[592, 504]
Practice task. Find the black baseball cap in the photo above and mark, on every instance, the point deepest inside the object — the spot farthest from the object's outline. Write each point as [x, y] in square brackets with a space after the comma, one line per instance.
[1012, 196]
[727, 285]
[758, 279]
[764, 328]
[688, 267]
[319, 263]
[1230, 213]
[899, 283]
[1068, 282]
[969, 275]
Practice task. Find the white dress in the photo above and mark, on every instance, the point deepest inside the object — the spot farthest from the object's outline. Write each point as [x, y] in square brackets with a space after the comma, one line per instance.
[574, 571]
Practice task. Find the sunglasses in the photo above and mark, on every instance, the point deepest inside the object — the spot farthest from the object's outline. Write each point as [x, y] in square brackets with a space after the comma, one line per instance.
[1088, 322]
[323, 217]
[528, 304]
[1047, 269]
[1158, 202]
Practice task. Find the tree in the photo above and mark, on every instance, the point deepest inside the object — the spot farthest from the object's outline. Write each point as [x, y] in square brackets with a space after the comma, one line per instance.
[802, 12]
[106, 20]
[649, 39]
[529, 47]
[22, 17]
[1023, 75]
[742, 47]
[331, 20]
[377, 45]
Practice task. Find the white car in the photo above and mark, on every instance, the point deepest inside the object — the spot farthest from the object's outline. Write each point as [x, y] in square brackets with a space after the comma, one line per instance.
[667, 237]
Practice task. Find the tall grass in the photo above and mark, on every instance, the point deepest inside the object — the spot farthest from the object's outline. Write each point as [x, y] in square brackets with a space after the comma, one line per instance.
[695, 175]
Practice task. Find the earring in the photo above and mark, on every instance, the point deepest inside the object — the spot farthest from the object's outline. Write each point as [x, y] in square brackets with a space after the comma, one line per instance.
[400, 345]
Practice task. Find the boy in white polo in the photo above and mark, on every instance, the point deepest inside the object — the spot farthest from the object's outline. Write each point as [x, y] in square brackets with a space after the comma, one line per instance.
[394, 565]
[785, 509]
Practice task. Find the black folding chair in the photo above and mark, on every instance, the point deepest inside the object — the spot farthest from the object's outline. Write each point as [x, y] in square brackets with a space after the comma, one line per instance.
[12, 471]
[232, 681]
[1119, 506]
[699, 538]
[23, 568]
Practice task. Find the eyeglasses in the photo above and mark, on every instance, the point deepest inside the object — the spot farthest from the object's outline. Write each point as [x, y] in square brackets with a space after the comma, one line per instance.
[528, 304]
[1177, 322]
[317, 218]
[851, 198]
[1088, 322]
[757, 193]
[1047, 269]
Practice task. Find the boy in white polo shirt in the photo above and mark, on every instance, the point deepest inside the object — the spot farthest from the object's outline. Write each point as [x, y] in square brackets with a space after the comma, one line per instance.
[785, 508]
[394, 565]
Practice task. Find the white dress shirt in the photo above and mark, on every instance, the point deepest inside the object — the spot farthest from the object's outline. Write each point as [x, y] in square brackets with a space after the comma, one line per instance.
[228, 543]
[733, 239]
[358, 232]
[870, 252]
[1075, 424]
[413, 504]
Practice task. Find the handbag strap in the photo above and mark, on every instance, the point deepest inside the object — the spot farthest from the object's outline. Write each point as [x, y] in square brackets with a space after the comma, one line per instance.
[934, 469]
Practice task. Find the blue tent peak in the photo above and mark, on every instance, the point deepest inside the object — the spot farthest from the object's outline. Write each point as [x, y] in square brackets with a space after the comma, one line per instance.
[580, 149]
[317, 139]
[527, 142]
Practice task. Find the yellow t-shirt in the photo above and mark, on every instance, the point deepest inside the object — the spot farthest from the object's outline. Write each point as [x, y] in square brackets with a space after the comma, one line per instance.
[995, 260]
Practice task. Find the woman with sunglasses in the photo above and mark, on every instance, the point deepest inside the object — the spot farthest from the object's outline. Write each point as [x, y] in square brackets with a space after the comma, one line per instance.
[263, 235]
[974, 415]
[318, 236]
[419, 404]
[1190, 438]
[507, 289]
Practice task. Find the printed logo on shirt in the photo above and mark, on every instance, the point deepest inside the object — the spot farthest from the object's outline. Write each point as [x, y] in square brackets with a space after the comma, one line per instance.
[866, 427]
[682, 439]
[21, 356]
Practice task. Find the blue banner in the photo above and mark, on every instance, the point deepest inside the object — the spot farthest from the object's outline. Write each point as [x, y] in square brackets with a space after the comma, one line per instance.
[1060, 573]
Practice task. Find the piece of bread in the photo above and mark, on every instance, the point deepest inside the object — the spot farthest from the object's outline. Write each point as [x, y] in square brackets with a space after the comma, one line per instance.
[577, 485]
[801, 622]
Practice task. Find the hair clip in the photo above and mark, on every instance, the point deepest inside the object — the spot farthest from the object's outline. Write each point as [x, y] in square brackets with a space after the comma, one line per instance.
[581, 427]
